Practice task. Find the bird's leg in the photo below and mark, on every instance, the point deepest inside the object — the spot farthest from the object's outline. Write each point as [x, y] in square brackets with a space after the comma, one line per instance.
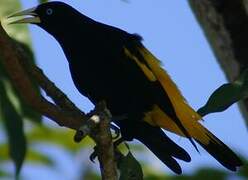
[116, 143]
[93, 119]
[116, 130]
[84, 130]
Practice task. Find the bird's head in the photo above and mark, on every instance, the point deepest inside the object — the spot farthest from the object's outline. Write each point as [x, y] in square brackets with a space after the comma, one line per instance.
[51, 16]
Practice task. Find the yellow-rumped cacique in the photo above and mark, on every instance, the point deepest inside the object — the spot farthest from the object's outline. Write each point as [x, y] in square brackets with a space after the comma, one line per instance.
[107, 63]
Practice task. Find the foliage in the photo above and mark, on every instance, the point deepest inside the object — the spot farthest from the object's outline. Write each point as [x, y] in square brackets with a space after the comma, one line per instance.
[130, 168]
[14, 127]
[226, 95]
[12, 108]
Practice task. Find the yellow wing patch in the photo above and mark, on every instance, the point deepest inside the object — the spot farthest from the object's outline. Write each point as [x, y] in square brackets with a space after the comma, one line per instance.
[155, 72]
[183, 110]
[188, 117]
[149, 74]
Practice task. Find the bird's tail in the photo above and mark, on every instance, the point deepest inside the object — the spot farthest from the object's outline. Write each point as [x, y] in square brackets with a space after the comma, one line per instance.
[221, 152]
[205, 138]
[162, 146]
[187, 120]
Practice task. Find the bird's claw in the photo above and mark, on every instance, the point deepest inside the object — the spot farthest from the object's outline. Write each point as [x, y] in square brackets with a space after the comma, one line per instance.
[93, 155]
[81, 133]
[78, 136]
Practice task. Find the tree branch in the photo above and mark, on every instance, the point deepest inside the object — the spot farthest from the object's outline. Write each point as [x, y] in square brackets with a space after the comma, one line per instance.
[63, 112]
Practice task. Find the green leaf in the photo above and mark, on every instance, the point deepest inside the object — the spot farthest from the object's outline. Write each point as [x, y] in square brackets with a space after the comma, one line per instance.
[226, 95]
[129, 167]
[14, 126]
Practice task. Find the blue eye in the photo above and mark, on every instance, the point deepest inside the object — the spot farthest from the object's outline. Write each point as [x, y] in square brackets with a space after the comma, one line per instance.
[49, 11]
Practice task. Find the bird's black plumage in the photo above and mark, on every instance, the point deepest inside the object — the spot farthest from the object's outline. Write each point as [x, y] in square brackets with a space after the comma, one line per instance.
[107, 63]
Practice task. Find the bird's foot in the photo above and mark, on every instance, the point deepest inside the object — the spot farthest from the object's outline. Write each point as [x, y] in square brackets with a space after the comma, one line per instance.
[93, 155]
[116, 130]
[116, 143]
[93, 119]
[81, 133]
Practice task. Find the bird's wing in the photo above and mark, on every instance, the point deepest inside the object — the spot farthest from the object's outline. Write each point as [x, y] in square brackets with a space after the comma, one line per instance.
[176, 114]
[186, 120]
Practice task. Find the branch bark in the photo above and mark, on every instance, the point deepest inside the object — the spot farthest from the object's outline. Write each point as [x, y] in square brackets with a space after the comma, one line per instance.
[105, 148]
[63, 112]
[225, 24]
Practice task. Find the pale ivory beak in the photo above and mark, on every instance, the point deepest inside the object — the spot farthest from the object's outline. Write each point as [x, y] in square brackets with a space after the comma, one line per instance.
[29, 12]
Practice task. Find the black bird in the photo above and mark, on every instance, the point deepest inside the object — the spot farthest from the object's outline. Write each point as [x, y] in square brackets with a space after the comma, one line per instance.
[110, 64]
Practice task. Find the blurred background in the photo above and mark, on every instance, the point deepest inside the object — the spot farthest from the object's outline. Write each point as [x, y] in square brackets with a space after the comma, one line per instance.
[171, 32]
